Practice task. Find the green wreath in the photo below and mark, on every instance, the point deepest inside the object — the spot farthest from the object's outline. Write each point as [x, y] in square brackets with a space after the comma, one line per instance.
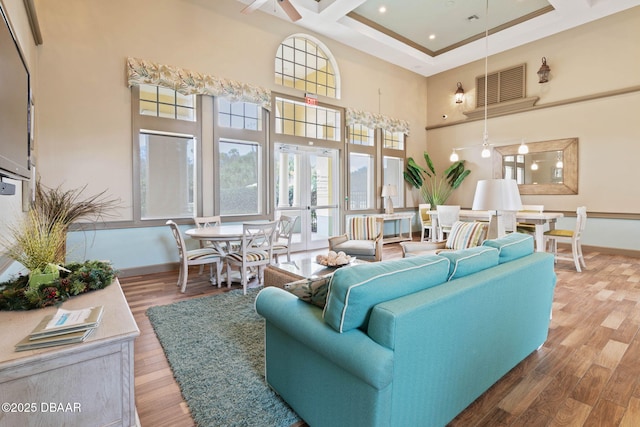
[18, 294]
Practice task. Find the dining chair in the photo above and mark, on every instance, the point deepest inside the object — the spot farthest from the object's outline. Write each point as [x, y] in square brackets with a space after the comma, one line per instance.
[447, 216]
[574, 237]
[282, 244]
[525, 227]
[204, 222]
[425, 219]
[201, 256]
[256, 251]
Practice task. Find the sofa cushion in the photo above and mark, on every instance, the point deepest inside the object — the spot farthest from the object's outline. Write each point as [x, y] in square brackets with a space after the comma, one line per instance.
[466, 235]
[468, 261]
[356, 289]
[357, 247]
[312, 290]
[512, 246]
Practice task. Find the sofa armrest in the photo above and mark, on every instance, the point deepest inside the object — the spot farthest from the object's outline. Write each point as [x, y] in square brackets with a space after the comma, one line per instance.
[336, 240]
[416, 248]
[353, 351]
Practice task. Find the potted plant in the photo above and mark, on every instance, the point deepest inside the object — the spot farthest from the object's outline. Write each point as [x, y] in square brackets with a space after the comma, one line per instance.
[435, 189]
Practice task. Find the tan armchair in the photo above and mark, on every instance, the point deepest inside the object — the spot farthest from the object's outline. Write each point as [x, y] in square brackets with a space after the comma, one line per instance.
[362, 240]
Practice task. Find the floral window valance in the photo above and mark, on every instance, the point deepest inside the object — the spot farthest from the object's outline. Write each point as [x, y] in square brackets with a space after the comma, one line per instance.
[372, 120]
[140, 71]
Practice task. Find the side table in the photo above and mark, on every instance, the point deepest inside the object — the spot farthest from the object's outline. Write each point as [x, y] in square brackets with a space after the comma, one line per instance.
[397, 218]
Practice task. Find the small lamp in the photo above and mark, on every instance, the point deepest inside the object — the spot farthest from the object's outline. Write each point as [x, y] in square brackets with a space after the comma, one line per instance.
[543, 72]
[459, 94]
[497, 195]
[389, 191]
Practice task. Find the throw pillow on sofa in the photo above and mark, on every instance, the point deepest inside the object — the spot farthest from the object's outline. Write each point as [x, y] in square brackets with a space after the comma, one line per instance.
[466, 235]
[469, 261]
[312, 290]
[512, 246]
[355, 290]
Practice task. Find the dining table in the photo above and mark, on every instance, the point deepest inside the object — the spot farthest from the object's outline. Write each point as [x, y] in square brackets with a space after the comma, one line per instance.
[222, 237]
[542, 221]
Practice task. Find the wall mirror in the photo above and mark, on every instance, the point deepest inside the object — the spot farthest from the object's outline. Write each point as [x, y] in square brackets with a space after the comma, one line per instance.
[550, 167]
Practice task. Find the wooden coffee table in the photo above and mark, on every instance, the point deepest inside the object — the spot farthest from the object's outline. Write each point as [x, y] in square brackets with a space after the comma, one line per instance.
[305, 268]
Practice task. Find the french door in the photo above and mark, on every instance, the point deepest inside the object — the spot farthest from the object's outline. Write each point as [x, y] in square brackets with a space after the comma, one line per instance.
[307, 185]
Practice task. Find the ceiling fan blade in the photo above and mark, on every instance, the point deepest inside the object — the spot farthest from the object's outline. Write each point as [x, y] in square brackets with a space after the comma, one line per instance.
[289, 9]
[253, 6]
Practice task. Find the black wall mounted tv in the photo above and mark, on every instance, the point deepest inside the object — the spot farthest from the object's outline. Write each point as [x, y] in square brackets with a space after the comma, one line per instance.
[15, 120]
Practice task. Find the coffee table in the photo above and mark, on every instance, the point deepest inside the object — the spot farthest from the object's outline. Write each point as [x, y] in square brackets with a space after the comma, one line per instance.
[305, 268]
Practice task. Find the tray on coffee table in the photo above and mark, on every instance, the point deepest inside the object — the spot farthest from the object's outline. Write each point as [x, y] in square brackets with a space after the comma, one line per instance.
[305, 268]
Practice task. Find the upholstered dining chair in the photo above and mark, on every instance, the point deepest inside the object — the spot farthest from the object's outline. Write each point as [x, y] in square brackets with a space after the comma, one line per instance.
[362, 240]
[574, 237]
[282, 244]
[201, 256]
[447, 216]
[425, 219]
[256, 251]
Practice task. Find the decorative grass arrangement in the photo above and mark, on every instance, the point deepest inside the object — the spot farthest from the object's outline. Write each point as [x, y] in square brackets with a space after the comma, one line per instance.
[37, 241]
[75, 279]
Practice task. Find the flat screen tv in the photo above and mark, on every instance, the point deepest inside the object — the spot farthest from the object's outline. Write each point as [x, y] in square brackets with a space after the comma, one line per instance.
[15, 132]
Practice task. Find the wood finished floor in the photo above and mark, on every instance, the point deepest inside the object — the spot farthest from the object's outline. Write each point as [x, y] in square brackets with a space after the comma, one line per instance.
[586, 374]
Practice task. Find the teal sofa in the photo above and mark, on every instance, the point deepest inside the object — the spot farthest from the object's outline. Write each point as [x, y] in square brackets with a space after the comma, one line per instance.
[409, 342]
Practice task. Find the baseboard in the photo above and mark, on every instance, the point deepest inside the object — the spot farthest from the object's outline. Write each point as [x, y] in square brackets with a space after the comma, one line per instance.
[604, 250]
[148, 269]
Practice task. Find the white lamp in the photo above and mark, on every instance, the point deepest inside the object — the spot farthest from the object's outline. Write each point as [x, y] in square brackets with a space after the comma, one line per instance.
[497, 195]
[389, 191]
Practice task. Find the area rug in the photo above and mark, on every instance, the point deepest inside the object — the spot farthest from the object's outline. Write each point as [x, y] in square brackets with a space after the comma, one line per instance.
[215, 346]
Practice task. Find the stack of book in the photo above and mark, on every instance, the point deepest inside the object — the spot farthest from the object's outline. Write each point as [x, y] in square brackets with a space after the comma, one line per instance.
[62, 327]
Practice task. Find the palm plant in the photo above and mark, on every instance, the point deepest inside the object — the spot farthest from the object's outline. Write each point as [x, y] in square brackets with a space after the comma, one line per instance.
[435, 189]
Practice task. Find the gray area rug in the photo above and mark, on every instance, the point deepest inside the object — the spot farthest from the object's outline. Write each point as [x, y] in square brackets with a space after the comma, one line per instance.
[215, 346]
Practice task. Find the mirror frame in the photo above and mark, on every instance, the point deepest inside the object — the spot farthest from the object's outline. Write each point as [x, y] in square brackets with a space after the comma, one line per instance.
[569, 148]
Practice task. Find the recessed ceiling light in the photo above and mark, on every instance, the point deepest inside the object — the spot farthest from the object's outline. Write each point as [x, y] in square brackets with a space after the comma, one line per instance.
[382, 9]
[432, 36]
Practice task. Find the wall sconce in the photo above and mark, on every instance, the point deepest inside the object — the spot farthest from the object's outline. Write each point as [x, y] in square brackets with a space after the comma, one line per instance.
[459, 94]
[454, 156]
[543, 72]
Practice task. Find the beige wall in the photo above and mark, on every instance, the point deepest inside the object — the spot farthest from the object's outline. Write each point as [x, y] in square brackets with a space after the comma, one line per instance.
[84, 104]
[595, 58]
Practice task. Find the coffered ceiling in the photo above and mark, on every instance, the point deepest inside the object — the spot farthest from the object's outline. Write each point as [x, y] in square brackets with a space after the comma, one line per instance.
[431, 36]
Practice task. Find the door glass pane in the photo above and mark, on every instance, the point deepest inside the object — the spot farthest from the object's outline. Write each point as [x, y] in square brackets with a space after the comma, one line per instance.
[287, 177]
[167, 169]
[240, 172]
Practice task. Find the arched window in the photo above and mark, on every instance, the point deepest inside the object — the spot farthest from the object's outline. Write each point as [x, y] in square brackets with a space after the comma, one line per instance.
[306, 64]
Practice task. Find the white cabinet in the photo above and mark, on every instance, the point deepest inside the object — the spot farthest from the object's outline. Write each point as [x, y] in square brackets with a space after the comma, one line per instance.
[86, 384]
